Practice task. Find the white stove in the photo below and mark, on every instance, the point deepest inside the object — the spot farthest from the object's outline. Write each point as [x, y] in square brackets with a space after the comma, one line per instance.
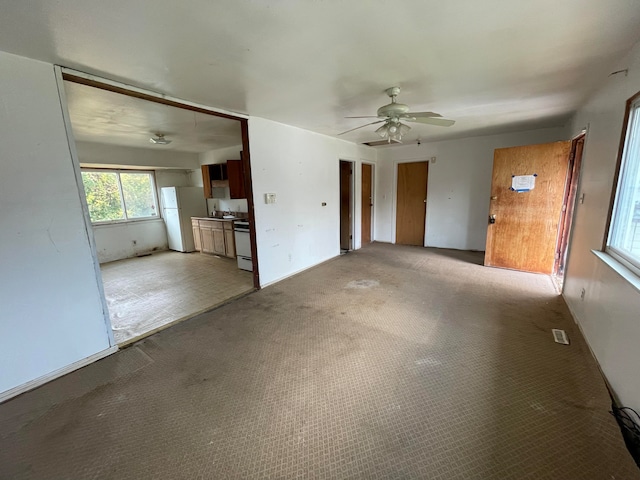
[243, 244]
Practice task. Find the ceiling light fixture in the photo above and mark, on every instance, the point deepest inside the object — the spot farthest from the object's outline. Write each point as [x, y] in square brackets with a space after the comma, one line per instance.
[393, 130]
[159, 139]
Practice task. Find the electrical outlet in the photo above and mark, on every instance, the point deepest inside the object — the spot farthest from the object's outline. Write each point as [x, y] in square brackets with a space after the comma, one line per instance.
[582, 292]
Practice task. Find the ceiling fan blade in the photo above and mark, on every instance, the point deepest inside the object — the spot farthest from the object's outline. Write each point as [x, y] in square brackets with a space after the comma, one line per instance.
[362, 126]
[422, 114]
[441, 122]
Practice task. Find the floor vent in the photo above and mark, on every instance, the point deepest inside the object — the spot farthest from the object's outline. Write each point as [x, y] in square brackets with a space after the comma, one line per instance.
[560, 336]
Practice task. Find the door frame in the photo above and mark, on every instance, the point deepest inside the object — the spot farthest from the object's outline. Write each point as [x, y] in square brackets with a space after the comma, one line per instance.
[394, 195]
[63, 74]
[568, 217]
[373, 197]
[76, 76]
[352, 202]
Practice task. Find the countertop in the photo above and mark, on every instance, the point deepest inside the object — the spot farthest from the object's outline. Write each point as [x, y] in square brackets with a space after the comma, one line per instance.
[218, 219]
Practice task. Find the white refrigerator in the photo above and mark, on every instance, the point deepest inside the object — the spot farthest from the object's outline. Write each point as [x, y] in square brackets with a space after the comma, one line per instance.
[179, 204]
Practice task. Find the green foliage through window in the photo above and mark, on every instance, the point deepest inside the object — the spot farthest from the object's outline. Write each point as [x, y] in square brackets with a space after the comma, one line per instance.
[118, 196]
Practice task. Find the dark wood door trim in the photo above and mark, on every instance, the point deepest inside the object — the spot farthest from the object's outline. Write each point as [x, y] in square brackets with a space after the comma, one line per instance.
[571, 190]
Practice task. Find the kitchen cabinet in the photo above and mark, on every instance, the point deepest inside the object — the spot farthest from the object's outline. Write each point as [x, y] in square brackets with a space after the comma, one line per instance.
[216, 237]
[235, 173]
[229, 240]
[195, 226]
[221, 175]
[213, 176]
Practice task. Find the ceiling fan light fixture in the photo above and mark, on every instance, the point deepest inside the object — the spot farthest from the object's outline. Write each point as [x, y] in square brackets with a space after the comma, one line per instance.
[383, 131]
[159, 139]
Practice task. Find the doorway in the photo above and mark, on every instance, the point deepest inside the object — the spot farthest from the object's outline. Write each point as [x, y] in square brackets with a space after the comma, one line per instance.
[346, 205]
[151, 208]
[366, 201]
[527, 193]
[568, 206]
[411, 203]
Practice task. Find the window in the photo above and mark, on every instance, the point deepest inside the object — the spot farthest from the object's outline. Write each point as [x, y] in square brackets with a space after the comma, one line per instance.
[120, 195]
[624, 230]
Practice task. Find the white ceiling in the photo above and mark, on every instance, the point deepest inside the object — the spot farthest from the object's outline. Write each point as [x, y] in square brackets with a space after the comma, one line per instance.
[106, 117]
[492, 65]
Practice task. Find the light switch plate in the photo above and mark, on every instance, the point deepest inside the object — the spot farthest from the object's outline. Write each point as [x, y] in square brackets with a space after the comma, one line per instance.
[269, 198]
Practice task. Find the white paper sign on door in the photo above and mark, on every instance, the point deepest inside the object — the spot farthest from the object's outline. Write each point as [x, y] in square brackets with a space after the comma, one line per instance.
[523, 183]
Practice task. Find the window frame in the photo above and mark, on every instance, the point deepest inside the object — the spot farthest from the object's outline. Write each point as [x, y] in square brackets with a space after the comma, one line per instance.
[123, 203]
[633, 103]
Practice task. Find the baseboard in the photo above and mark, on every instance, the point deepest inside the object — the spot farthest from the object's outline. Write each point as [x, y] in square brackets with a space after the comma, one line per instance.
[30, 385]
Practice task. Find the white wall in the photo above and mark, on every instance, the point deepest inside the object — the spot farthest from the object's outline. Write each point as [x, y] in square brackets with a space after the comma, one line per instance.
[302, 169]
[459, 186]
[52, 313]
[116, 241]
[609, 315]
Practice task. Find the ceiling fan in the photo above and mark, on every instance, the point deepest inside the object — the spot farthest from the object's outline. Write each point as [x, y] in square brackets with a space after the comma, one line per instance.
[394, 114]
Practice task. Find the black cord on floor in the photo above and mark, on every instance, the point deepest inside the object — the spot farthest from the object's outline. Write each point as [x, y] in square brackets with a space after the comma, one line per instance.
[629, 422]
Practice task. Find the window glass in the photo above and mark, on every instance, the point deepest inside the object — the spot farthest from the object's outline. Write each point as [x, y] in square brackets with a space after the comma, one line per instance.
[624, 237]
[116, 196]
[103, 196]
[139, 200]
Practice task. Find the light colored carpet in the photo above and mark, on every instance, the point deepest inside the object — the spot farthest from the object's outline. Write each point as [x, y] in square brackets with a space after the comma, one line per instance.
[389, 362]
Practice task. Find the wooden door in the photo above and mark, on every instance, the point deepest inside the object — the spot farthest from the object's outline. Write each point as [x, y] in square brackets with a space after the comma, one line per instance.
[411, 204]
[525, 231]
[345, 205]
[367, 202]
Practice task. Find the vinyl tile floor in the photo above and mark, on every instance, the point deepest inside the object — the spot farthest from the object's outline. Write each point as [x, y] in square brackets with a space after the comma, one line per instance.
[148, 293]
[390, 362]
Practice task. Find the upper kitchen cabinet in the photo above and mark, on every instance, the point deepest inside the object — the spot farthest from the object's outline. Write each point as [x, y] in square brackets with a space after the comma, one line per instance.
[217, 176]
[236, 179]
[213, 176]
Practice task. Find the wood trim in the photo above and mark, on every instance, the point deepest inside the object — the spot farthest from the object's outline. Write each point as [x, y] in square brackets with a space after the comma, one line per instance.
[571, 191]
[248, 188]
[144, 96]
[616, 173]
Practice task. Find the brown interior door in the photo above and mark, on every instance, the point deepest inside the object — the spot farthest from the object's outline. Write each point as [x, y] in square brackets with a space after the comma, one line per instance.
[525, 231]
[345, 205]
[367, 202]
[411, 205]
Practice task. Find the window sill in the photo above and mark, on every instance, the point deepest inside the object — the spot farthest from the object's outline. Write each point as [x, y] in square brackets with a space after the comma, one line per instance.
[619, 268]
[125, 222]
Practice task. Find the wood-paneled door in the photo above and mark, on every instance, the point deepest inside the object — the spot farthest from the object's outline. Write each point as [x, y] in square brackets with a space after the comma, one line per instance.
[367, 202]
[346, 170]
[411, 203]
[523, 227]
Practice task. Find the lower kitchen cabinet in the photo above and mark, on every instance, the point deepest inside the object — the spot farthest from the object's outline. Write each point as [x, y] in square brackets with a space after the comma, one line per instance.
[216, 237]
[195, 226]
[229, 242]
